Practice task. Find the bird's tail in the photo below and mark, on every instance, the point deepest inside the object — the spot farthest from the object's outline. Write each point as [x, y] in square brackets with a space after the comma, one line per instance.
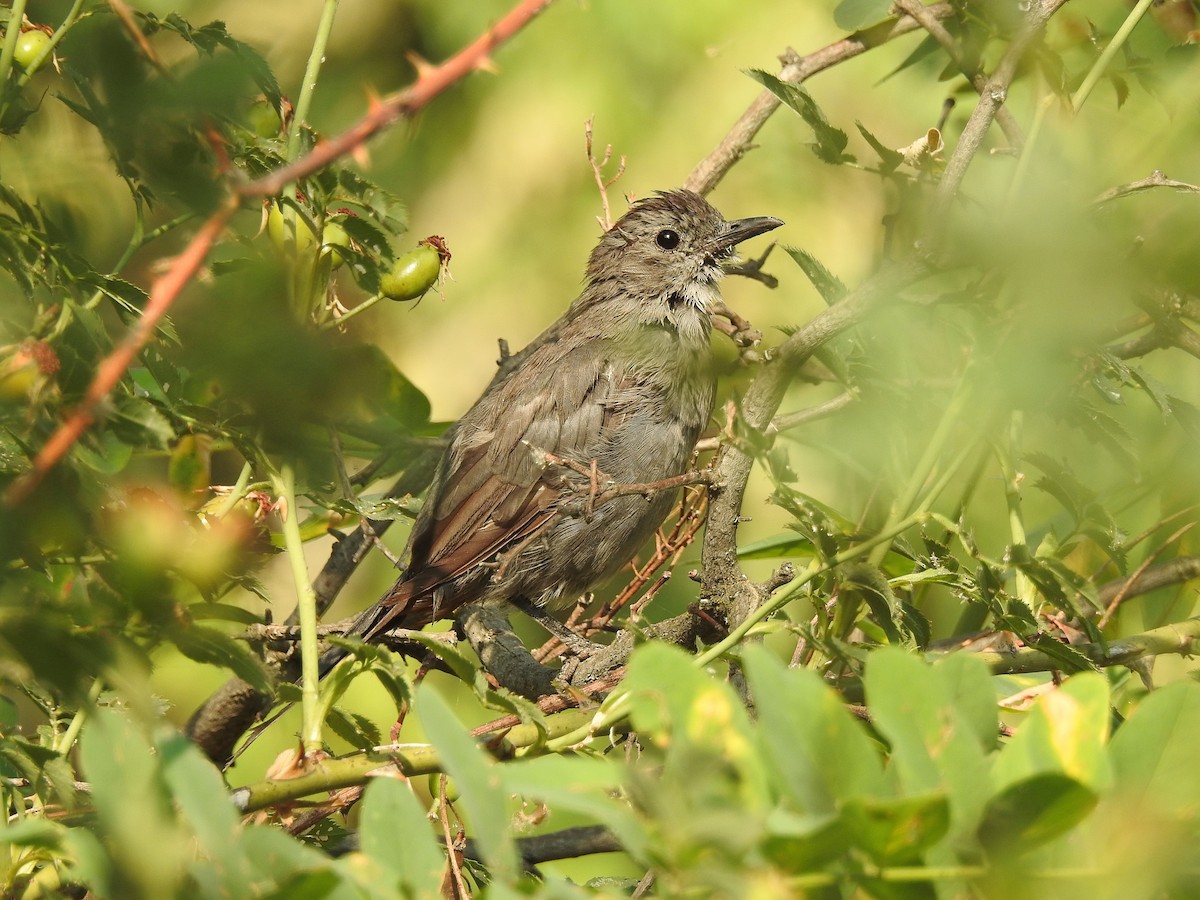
[366, 626]
[393, 611]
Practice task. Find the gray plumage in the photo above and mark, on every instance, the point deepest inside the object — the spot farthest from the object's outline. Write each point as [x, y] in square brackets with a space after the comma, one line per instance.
[624, 378]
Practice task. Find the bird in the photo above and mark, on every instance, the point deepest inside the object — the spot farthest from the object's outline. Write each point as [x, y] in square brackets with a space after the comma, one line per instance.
[621, 386]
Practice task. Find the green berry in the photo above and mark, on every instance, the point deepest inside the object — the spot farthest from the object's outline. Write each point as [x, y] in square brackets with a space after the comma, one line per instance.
[29, 46]
[289, 231]
[333, 236]
[413, 274]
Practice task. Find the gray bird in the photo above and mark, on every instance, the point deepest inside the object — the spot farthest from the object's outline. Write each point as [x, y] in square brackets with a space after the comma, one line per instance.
[623, 381]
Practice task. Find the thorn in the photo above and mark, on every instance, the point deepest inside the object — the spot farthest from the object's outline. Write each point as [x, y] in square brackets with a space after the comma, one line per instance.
[486, 64]
[423, 66]
[373, 101]
[361, 156]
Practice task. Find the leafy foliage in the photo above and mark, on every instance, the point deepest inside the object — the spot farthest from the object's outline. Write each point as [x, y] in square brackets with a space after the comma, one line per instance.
[1009, 446]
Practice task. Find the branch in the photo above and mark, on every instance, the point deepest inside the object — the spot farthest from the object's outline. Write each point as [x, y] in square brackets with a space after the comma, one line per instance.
[1155, 179]
[1179, 638]
[796, 69]
[390, 760]
[991, 98]
[722, 579]
[1150, 578]
[569, 843]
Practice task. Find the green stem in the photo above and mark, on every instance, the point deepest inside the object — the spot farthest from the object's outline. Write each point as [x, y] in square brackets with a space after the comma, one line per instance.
[408, 759]
[1178, 638]
[907, 500]
[1010, 466]
[11, 35]
[238, 492]
[1118, 41]
[306, 607]
[1026, 157]
[65, 741]
[315, 58]
[351, 313]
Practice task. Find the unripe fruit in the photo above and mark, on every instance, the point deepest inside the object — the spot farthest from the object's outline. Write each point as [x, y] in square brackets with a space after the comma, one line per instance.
[29, 46]
[413, 274]
[288, 230]
[334, 236]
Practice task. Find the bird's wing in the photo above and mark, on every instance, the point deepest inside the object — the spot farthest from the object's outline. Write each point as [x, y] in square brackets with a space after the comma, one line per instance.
[492, 494]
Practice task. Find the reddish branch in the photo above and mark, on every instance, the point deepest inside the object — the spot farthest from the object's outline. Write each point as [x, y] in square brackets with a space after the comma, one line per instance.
[162, 295]
[431, 81]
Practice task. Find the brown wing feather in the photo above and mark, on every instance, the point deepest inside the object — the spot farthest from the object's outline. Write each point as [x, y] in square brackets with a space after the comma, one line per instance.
[492, 494]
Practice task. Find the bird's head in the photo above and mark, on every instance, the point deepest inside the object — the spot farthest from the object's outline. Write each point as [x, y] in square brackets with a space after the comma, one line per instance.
[665, 254]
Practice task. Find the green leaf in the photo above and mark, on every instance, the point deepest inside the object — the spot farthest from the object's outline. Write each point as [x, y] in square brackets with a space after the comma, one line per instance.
[357, 731]
[197, 790]
[140, 422]
[674, 703]
[932, 716]
[780, 546]
[895, 832]
[42, 834]
[831, 142]
[480, 786]
[582, 785]
[889, 159]
[828, 285]
[800, 843]
[1154, 753]
[1028, 813]
[104, 453]
[207, 645]
[286, 867]
[502, 699]
[118, 763]
[1065, 732]
[415, 862]
[817, 754]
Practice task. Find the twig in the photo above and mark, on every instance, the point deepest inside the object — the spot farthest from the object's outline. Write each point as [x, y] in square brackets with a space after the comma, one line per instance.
[606, 221]
[1178, 638]
[1177, 570]
[786, 421]
[1155, 179]
[670, 548]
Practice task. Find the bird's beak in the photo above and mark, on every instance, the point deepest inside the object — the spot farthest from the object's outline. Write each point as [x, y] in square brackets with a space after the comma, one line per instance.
[743, 229]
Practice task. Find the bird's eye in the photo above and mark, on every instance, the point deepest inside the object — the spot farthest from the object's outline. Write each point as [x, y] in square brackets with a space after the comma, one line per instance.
[667, 239]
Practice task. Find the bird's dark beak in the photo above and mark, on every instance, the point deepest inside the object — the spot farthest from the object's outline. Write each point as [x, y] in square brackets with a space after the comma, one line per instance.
[742, 230]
